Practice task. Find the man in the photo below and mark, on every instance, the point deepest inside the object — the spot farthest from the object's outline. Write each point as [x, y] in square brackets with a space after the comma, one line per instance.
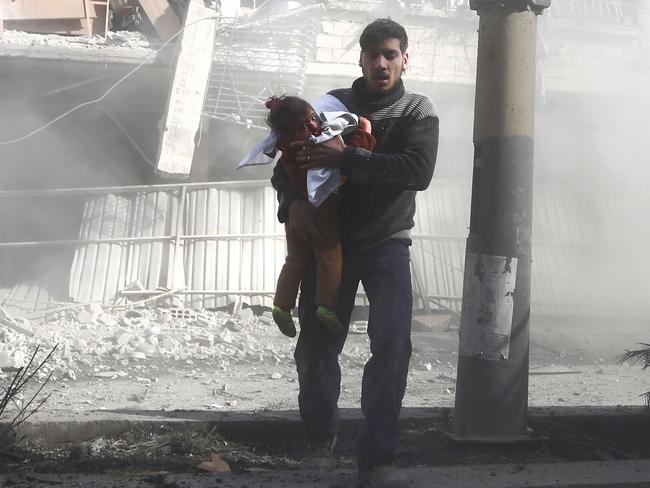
[377, 214]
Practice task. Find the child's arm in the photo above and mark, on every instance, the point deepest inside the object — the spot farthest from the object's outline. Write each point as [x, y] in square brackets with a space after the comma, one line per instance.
[362, 136]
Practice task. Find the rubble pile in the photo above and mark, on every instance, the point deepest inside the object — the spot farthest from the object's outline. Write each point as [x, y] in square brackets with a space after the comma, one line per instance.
[93, 341]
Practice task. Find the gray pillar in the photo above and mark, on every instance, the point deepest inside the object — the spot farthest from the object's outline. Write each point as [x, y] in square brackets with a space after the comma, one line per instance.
[492, 380]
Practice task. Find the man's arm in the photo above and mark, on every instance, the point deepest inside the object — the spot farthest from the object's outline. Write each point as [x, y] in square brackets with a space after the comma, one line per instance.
[410, 169]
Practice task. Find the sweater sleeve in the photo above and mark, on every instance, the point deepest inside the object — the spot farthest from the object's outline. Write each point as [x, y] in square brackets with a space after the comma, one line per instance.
[410, 169]
[285, 190]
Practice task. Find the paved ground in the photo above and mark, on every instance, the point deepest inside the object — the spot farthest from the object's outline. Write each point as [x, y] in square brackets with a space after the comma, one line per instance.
[617, 474]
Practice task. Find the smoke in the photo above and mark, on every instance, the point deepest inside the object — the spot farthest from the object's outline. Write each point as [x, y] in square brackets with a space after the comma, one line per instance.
[590, 164]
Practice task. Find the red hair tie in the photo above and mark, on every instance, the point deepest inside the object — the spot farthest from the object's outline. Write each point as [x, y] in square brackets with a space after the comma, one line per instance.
[272, 102]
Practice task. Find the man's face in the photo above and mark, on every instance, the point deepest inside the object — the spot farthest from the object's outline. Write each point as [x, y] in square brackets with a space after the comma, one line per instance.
[382, 65]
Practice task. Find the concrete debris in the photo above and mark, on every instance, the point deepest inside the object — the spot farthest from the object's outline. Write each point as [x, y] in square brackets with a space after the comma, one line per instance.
[164, 294]
[84, 317]
[138, 397]
[152, 331]
[20, 358]
[167, 342]
[107, 319]
[134, 286]
[164, 317]
[205, 340]
[234, 326]
[235, 307]
[182, 313]
[267, 318]
[245, 314]
[110, 374]
[6, 361]
[137, 355]
[146, 349]
[226, 336]
[122, 338]
[134, 319]
[95, 309]
[8, 321]
[79, 345]
[150, 341]
[203, 319]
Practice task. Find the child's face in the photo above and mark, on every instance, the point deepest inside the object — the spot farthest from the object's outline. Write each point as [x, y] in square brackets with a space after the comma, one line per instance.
[310, 123]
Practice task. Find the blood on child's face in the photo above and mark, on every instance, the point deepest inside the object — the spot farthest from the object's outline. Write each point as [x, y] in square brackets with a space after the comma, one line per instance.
[310, 123]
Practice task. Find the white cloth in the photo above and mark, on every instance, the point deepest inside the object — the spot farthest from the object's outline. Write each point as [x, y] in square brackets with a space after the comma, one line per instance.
[321, 182]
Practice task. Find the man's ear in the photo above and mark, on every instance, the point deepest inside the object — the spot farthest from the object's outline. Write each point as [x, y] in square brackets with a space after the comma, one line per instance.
[360, 54]
[405, 57]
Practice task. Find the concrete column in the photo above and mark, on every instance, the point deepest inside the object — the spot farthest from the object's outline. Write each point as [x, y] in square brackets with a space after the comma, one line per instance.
[492, 380]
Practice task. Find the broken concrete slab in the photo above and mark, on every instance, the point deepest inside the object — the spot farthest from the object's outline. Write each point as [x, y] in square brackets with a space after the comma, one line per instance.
[206, 340]
[8, 321]
[122, 337]
[245, 314]
[107, 319]
[84, 317]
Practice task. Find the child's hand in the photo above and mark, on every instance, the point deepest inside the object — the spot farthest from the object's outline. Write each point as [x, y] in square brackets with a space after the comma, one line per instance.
[365, 125]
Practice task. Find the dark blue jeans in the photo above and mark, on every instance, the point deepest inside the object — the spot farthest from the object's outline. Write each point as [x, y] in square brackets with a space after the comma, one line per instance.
[385, 273]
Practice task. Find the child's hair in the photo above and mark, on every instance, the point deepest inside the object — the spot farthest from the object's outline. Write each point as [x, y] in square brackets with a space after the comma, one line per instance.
[286, 113]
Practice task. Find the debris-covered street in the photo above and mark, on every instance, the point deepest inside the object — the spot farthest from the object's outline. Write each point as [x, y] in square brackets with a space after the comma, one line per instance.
[174, 358]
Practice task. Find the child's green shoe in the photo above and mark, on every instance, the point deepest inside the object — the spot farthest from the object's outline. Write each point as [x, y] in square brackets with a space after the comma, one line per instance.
[284, 321]
[327, 315]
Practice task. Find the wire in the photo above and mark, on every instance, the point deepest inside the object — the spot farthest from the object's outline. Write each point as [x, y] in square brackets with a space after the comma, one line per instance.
[115, 85]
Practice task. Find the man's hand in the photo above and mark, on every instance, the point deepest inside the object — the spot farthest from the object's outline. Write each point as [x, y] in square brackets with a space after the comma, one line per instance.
[301, 221]
[327, 154]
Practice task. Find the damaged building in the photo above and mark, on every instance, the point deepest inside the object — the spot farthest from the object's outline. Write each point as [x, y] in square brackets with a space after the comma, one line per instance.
[123, 123]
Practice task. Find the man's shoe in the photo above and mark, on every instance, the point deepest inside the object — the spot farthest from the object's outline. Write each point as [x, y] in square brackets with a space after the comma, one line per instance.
[389, 476]
[284, 321]
[320, 455]
[327, 315]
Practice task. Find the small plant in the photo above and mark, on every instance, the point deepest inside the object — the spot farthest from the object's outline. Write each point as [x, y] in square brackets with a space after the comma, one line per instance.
[10, 395]
[639, 356]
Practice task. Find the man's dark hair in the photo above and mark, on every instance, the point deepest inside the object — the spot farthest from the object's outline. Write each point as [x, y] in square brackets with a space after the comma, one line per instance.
[381, 29]
[286, 114]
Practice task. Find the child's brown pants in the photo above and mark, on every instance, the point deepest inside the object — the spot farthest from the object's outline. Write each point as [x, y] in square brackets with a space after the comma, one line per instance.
[327, 255]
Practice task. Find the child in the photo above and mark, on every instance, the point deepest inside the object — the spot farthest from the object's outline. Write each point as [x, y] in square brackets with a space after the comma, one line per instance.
[292, 119]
